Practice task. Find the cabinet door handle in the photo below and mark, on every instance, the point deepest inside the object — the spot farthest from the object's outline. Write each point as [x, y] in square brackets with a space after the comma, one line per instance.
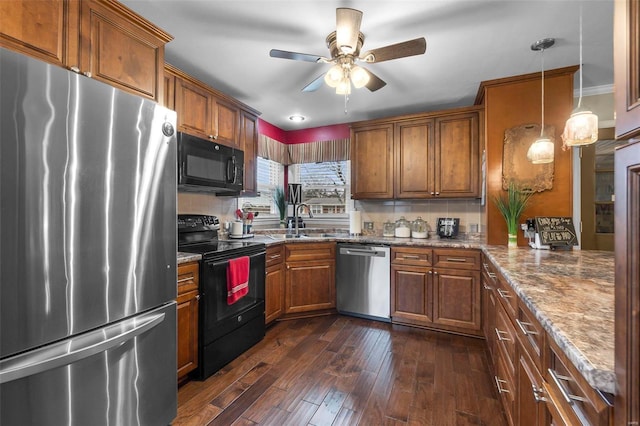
[524, 329]
[433, 193]
[181, 280]
[197, 297]
[456, 259]
[500, 338]
[499, 386]
[504, 294]
[430, 272]
[274, 256]
[486, 287]
[435, 272]
[565, 393]
[437, 193]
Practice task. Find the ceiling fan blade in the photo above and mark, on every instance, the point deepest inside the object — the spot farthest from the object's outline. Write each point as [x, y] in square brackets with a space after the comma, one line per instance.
[284, 54]
[315, 84]
[374, 82]
[400, 50]
[347, 29]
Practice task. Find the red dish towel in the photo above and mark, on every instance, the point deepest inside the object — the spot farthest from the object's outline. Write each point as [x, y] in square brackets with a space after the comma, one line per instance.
[237, 279]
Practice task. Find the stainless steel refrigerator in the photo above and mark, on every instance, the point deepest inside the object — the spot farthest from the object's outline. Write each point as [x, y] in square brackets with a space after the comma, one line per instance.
[88, 251]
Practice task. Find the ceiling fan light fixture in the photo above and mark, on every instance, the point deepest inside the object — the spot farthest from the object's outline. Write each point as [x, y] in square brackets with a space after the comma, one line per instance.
[334, 76]
[359, 77]
[344, 87]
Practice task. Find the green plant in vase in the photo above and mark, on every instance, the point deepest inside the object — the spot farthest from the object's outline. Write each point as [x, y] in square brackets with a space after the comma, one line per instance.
[281, 204]
[511, 207]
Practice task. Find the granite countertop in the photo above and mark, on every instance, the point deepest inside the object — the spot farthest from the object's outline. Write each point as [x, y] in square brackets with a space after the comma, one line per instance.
[188, 257]
[571, 293]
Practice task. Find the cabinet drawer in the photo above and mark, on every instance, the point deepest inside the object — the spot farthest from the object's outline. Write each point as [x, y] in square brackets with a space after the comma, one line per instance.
[505, 334]
[571, 392]
[188, 277]
[456, 259]
[275, 255]
[310, 251]
[530, 333]
[411, 256]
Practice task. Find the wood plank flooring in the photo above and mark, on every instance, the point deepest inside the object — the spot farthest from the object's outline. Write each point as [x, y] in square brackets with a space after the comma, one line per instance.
[339, 370]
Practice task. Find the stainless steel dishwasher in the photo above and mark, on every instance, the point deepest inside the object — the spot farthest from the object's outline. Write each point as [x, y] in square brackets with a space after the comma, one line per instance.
[363, 286]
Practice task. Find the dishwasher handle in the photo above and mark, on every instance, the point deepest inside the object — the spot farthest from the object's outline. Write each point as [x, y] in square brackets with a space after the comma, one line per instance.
[367, 252]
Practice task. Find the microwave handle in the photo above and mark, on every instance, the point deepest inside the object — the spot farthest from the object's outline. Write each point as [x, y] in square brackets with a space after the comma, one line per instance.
[231, 170]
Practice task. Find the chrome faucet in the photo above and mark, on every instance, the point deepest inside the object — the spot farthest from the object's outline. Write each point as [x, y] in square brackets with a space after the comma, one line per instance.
[296, 212]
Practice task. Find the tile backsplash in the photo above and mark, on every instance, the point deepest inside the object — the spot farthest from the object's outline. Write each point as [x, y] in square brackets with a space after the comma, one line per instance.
[470, 212]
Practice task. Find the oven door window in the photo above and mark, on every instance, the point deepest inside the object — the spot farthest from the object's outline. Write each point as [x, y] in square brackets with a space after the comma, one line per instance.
[214, 292]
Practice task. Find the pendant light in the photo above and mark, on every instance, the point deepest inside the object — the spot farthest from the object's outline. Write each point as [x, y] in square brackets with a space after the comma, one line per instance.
[541, 151]
[582, 127]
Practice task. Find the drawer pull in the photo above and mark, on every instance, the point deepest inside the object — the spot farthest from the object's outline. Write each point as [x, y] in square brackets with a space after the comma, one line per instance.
[181, 280]
[537, 394]
[524, 329]
[456, 259]
[274, 256]
[500, 338]
[499, 386]
[504, 294]
[492, 275]
[565, 394]
[406, 256]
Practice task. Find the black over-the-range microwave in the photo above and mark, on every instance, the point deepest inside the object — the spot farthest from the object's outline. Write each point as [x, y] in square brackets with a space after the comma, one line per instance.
[206, 166]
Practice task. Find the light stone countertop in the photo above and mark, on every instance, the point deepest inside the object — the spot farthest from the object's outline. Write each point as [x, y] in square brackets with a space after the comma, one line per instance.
[570, 292]
[188, 257]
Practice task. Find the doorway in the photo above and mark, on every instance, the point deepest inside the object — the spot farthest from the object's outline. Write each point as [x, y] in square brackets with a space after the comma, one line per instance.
[597, 192]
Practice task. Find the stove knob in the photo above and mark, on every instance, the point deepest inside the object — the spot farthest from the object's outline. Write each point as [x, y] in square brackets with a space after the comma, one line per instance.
[239, 318]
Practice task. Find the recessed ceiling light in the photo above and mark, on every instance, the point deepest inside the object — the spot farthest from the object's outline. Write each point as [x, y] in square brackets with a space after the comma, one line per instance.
[297, 118]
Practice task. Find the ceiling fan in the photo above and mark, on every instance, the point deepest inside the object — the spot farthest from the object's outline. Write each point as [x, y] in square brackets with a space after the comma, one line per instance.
[344, 45]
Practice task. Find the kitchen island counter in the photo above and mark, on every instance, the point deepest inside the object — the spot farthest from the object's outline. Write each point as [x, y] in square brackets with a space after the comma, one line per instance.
[188, 257]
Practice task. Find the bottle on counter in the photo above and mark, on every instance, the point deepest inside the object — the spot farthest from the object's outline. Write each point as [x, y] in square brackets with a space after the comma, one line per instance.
[402, 228]
[419, 228]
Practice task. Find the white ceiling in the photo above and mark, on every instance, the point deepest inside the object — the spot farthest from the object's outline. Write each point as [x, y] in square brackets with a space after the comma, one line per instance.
[226, 43]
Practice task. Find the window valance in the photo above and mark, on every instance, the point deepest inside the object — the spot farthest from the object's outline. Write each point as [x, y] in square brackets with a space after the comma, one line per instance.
[310, 152]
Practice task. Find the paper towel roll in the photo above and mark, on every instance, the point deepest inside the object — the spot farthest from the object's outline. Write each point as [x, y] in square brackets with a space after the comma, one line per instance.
[355, 223]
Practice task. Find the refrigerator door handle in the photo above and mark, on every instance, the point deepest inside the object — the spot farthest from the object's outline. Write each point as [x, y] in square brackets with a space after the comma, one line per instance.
[77, 348]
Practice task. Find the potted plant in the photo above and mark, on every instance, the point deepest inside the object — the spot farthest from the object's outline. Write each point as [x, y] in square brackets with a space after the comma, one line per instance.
[511, 207]
[281, 204]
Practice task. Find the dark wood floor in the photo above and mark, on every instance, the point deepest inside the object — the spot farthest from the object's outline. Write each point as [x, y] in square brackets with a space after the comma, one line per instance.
[340, 370]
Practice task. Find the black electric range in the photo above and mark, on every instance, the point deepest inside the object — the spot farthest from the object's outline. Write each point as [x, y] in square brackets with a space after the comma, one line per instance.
[225, 330]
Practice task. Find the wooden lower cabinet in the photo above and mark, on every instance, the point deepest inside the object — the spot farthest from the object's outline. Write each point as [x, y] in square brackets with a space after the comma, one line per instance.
[310, 286]
[274, 284]
[187, 322]
[422, 295]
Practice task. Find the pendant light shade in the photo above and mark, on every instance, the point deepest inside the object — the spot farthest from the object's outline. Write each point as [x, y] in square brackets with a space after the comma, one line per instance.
[542, 150]
[582, 127]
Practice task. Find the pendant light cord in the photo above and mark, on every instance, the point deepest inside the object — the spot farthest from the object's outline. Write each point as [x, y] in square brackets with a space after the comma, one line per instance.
[542, 128]
[580, 98]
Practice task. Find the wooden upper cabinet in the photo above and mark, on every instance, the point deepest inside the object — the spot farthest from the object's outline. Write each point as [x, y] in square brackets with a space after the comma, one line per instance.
[414, 159]
[101, 39]
[36, 28]
[226, 123]
[209, 114]
[372, 161]
[457, 159]
[193, 105]
[249, 144]
[429, 155]
[626, 58]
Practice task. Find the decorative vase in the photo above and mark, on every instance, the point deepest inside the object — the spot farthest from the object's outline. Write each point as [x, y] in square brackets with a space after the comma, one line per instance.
[513, 241]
